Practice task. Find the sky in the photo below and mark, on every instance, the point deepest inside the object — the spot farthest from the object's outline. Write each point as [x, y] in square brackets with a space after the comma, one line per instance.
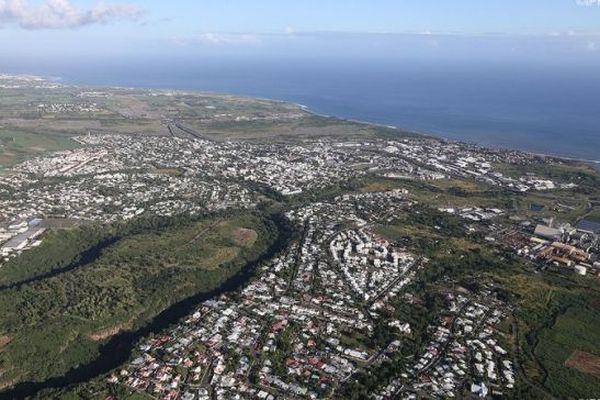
[490, 29]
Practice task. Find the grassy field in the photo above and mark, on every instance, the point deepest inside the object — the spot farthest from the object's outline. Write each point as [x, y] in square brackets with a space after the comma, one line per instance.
[594, 215]
[145, 112]
[564, 205]
[567, 205]
[309, 126]
[53, 324]
[16, 146]
[584, 175]
[131, 111]
[557, 314]
[574, 330]
[442, 193]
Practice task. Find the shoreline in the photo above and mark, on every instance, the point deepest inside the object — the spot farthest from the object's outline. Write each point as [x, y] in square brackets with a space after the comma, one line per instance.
[594, 163]
[306, 108]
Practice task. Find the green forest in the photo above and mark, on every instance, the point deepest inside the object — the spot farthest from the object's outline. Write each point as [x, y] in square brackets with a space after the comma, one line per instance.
[93, 282]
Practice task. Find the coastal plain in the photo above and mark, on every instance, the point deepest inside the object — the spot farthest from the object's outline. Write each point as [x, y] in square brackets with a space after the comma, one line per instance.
[247, 247]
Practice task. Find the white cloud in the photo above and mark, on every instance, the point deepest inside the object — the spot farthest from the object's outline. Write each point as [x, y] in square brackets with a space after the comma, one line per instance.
[228, 38]
[58, 14]
[588, 3]
[219, 39]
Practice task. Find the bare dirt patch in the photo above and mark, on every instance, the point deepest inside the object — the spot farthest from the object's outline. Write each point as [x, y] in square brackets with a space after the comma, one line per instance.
[245, 237]
[169, 171]
[4, 340]
[4, 385]
[109, 332]
[584, 362]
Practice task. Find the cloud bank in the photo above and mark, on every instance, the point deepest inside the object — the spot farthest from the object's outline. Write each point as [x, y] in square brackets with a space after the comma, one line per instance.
[60, 14]
[588, 3]
[497, 47]
[219, 39]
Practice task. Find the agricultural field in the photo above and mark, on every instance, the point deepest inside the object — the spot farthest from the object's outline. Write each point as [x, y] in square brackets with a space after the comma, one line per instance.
[56, 109]
[67, 110]
[18, 146]
[556, 317]
[304, 126]
[574, 331]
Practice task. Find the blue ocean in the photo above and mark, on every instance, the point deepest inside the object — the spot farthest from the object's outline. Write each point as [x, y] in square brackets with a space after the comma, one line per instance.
[541, 108]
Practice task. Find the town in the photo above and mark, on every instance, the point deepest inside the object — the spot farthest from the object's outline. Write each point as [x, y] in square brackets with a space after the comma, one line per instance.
[294, 330]
[116, 177]
[335, 304]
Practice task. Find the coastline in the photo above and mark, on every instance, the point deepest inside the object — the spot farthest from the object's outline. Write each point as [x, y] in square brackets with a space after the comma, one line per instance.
[310, 110]
[305, 108]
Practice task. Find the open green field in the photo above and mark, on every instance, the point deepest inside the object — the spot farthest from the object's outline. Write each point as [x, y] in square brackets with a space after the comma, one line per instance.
[17, 146]
[77, 110]
[564, 205]
[567, 205]
[52, 324]
[574, 330]
[557, 313]
[442, 193]
[582, 174]
[594, 215]
[307, 126]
